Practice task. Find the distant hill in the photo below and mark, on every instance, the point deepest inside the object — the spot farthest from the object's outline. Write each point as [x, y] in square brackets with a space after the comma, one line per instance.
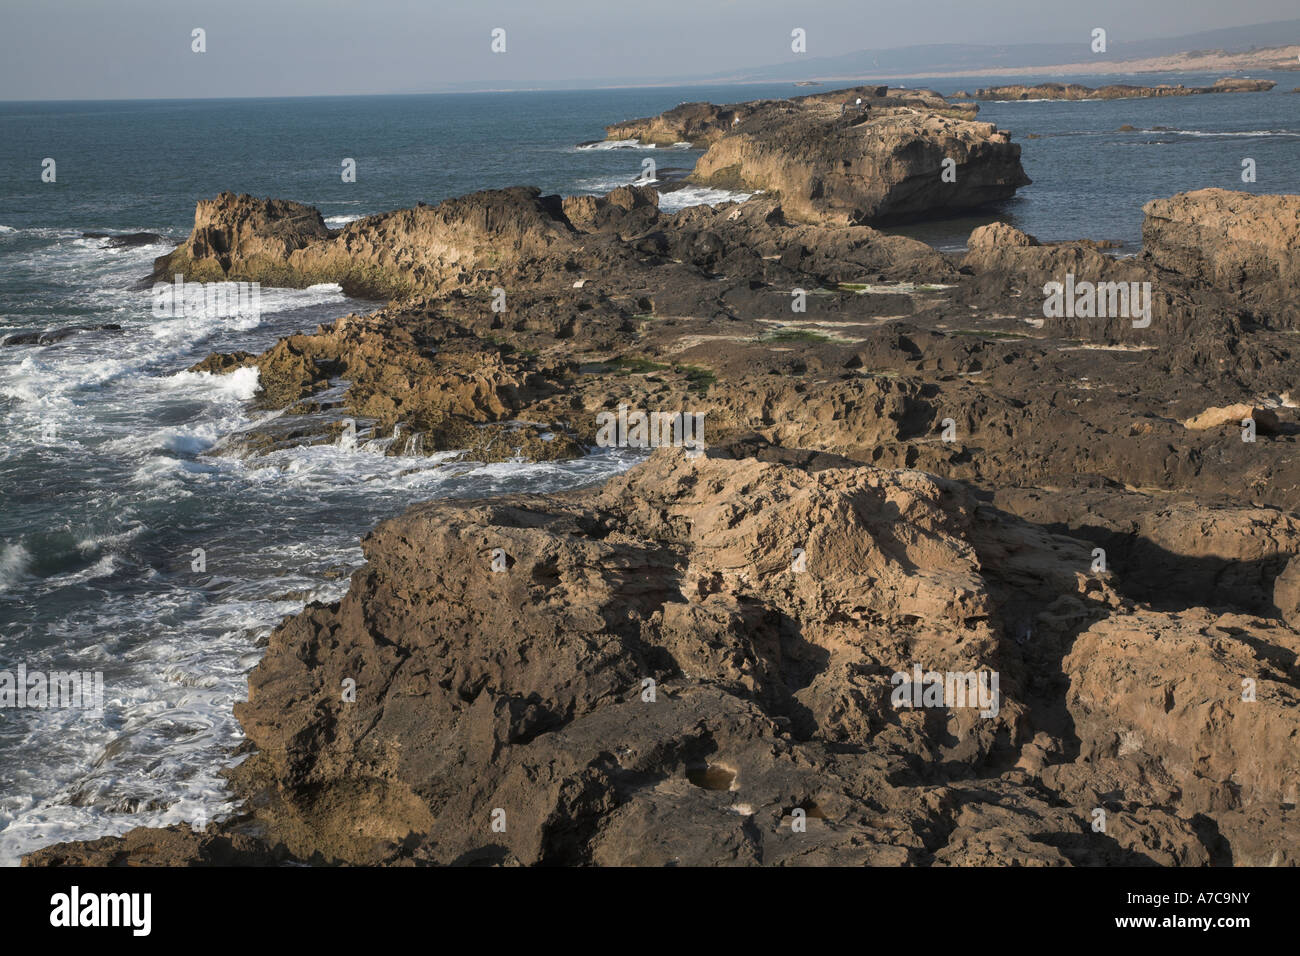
[935, 58]
[972, 59]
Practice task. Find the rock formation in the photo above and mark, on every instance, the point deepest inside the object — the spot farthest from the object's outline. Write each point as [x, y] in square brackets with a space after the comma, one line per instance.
[702, 124]
[425, 248]
[675, 668]
[1248, 245]
[1120, 91]
[723, 658]
[832, 159]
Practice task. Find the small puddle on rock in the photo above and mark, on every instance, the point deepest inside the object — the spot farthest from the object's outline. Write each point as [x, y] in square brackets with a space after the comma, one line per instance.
[711, 777]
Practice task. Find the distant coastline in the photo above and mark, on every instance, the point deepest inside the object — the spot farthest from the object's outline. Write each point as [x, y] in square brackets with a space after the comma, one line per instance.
[1283, 58]
[1271, 59]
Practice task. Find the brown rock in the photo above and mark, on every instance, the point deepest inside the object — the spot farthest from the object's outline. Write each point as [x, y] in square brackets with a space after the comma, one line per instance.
[1243, 243]
[1266, 420]
[1286, 592]
[462, 240]
[1167, 694]
[881, 166]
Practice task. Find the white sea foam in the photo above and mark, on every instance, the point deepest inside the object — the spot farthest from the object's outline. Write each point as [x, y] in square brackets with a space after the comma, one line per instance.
[1228, 133]
[670, 200]
[698, 196]
[613, 144]
[14, 561]
[176, 645]
[323, 293]
[115, 430]
[241, 384]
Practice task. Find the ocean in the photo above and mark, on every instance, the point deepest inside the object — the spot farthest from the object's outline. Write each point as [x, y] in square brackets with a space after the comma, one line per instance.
[107, 496]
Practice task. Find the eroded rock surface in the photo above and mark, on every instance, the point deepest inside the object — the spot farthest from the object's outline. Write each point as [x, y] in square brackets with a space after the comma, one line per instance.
[390, 255]
[909, 466]
[857, 156]
[1246, 244]
[657, 678]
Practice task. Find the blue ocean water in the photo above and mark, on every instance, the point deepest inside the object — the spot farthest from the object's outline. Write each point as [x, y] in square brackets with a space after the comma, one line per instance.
[105, 488]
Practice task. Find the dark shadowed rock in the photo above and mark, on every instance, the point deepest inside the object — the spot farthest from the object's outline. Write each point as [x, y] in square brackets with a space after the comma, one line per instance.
[125, 239]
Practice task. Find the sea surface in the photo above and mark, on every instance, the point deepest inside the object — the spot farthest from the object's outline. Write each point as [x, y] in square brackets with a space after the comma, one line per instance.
[106, 490]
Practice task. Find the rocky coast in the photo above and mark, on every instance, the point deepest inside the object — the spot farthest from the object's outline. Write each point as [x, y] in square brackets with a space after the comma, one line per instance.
[1114, 91]
[909, 469]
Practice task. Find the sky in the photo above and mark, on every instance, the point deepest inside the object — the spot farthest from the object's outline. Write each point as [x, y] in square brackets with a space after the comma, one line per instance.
[141, 49]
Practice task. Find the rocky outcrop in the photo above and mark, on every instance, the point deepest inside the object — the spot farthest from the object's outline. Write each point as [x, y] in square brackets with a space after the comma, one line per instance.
[703, 124]
[855, 156]
[1241, 243]
[1222, 728]
[241, 237]
[525, 690]
[461, 241]
[1074, 91]
[1007, 261]
[170, 846]
[906, 466]
[436, 375]
[1265, 419]
[755, 313]
[1206, 254]
[677, 667]
[628, 211]
[846, 170]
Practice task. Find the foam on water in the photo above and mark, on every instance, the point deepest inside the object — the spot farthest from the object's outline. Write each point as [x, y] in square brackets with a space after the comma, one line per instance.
[670, 200]
[1230, 133]
[613, 144]
[698, 196]
[105, 490]
[108, 497]
[14, 559]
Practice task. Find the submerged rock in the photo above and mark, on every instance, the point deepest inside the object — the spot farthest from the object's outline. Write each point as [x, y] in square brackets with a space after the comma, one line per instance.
[51, 336]
[125, 239]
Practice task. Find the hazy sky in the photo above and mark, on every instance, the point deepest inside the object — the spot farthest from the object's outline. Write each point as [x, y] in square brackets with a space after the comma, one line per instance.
[59, 49]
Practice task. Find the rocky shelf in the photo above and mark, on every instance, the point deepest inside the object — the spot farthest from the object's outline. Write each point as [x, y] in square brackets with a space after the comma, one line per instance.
[909, 469]
[1114, 91]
